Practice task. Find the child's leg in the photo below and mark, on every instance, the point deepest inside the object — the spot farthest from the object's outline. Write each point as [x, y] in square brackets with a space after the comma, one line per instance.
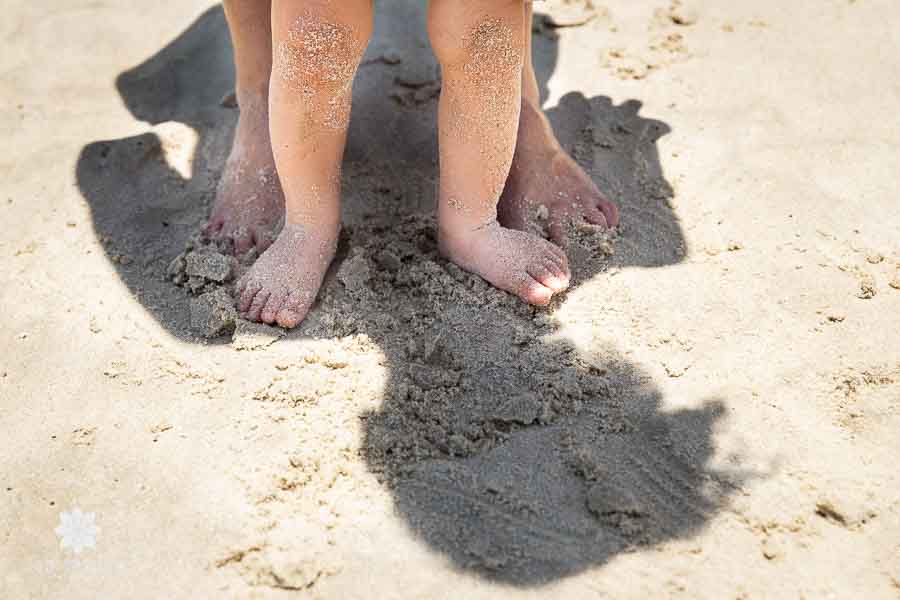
[317, 47]
[480, 45]
[249, 202]
[543, 173]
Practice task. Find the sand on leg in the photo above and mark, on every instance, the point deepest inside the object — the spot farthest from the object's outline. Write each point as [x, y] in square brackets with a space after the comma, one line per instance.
[249, 202]
[317, 47]
[543, 174]
[480, 45]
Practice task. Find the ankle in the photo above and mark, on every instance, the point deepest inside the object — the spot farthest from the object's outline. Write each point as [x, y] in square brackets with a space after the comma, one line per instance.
[532, 119]
[535, 133]
[252, 129]
[253, 102]
[463, 227]
[326, 223]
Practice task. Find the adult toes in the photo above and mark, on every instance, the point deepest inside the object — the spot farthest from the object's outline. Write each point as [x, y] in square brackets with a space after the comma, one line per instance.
[595, 216]
[262, 239]
[214, 226]
[270, 311]
[534, 292]
[243, 240]
[558, 234]
[259, 302]
[247, 295]
[610, 211]
[239, 288]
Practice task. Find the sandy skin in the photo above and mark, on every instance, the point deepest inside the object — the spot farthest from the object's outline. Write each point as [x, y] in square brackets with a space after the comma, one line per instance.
[249, 200]
[295, 266]
[543, 174]
[489, 86]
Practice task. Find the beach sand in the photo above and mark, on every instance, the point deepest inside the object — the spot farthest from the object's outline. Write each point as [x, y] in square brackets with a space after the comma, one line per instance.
[710, 412]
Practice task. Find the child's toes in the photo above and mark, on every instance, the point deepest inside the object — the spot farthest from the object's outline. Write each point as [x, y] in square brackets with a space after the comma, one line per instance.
[558, 263]
[534, 292]
[292, 311]
[247, 295]
[558, 253]
[273, 306]
[546, 277]
[288, 318]
[558, 271]
[542, 275]
[259, 302]
[558, 260]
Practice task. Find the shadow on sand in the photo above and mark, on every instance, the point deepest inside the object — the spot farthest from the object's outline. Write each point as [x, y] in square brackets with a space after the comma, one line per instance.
[506, 448]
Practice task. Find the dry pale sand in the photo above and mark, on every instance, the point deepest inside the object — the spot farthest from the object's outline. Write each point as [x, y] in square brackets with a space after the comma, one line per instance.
[711, 412]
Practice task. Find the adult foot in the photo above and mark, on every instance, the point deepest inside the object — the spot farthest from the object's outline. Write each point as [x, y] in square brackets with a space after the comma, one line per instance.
[543, 174]
[249, 201]
[283, 283]
[518, 262]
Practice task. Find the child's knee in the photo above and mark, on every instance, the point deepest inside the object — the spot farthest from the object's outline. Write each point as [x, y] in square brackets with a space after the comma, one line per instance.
[483, 37]
[321, 52]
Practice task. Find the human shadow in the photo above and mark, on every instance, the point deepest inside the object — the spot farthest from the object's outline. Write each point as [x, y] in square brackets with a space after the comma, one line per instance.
[144, 208]
[506, 447]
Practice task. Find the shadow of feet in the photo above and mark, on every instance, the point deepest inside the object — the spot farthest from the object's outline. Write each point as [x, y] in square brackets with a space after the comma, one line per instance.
[618, 147]
[505, 447]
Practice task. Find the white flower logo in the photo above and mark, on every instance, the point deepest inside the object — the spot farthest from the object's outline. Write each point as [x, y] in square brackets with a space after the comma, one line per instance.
[77, 530]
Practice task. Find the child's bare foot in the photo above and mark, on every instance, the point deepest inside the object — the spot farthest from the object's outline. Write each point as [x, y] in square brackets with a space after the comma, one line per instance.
[518, 262]
[249, 201]
[543, 173]
[282, 285]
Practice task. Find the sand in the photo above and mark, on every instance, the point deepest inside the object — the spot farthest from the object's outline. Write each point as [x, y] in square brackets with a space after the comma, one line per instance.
[710, 412]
